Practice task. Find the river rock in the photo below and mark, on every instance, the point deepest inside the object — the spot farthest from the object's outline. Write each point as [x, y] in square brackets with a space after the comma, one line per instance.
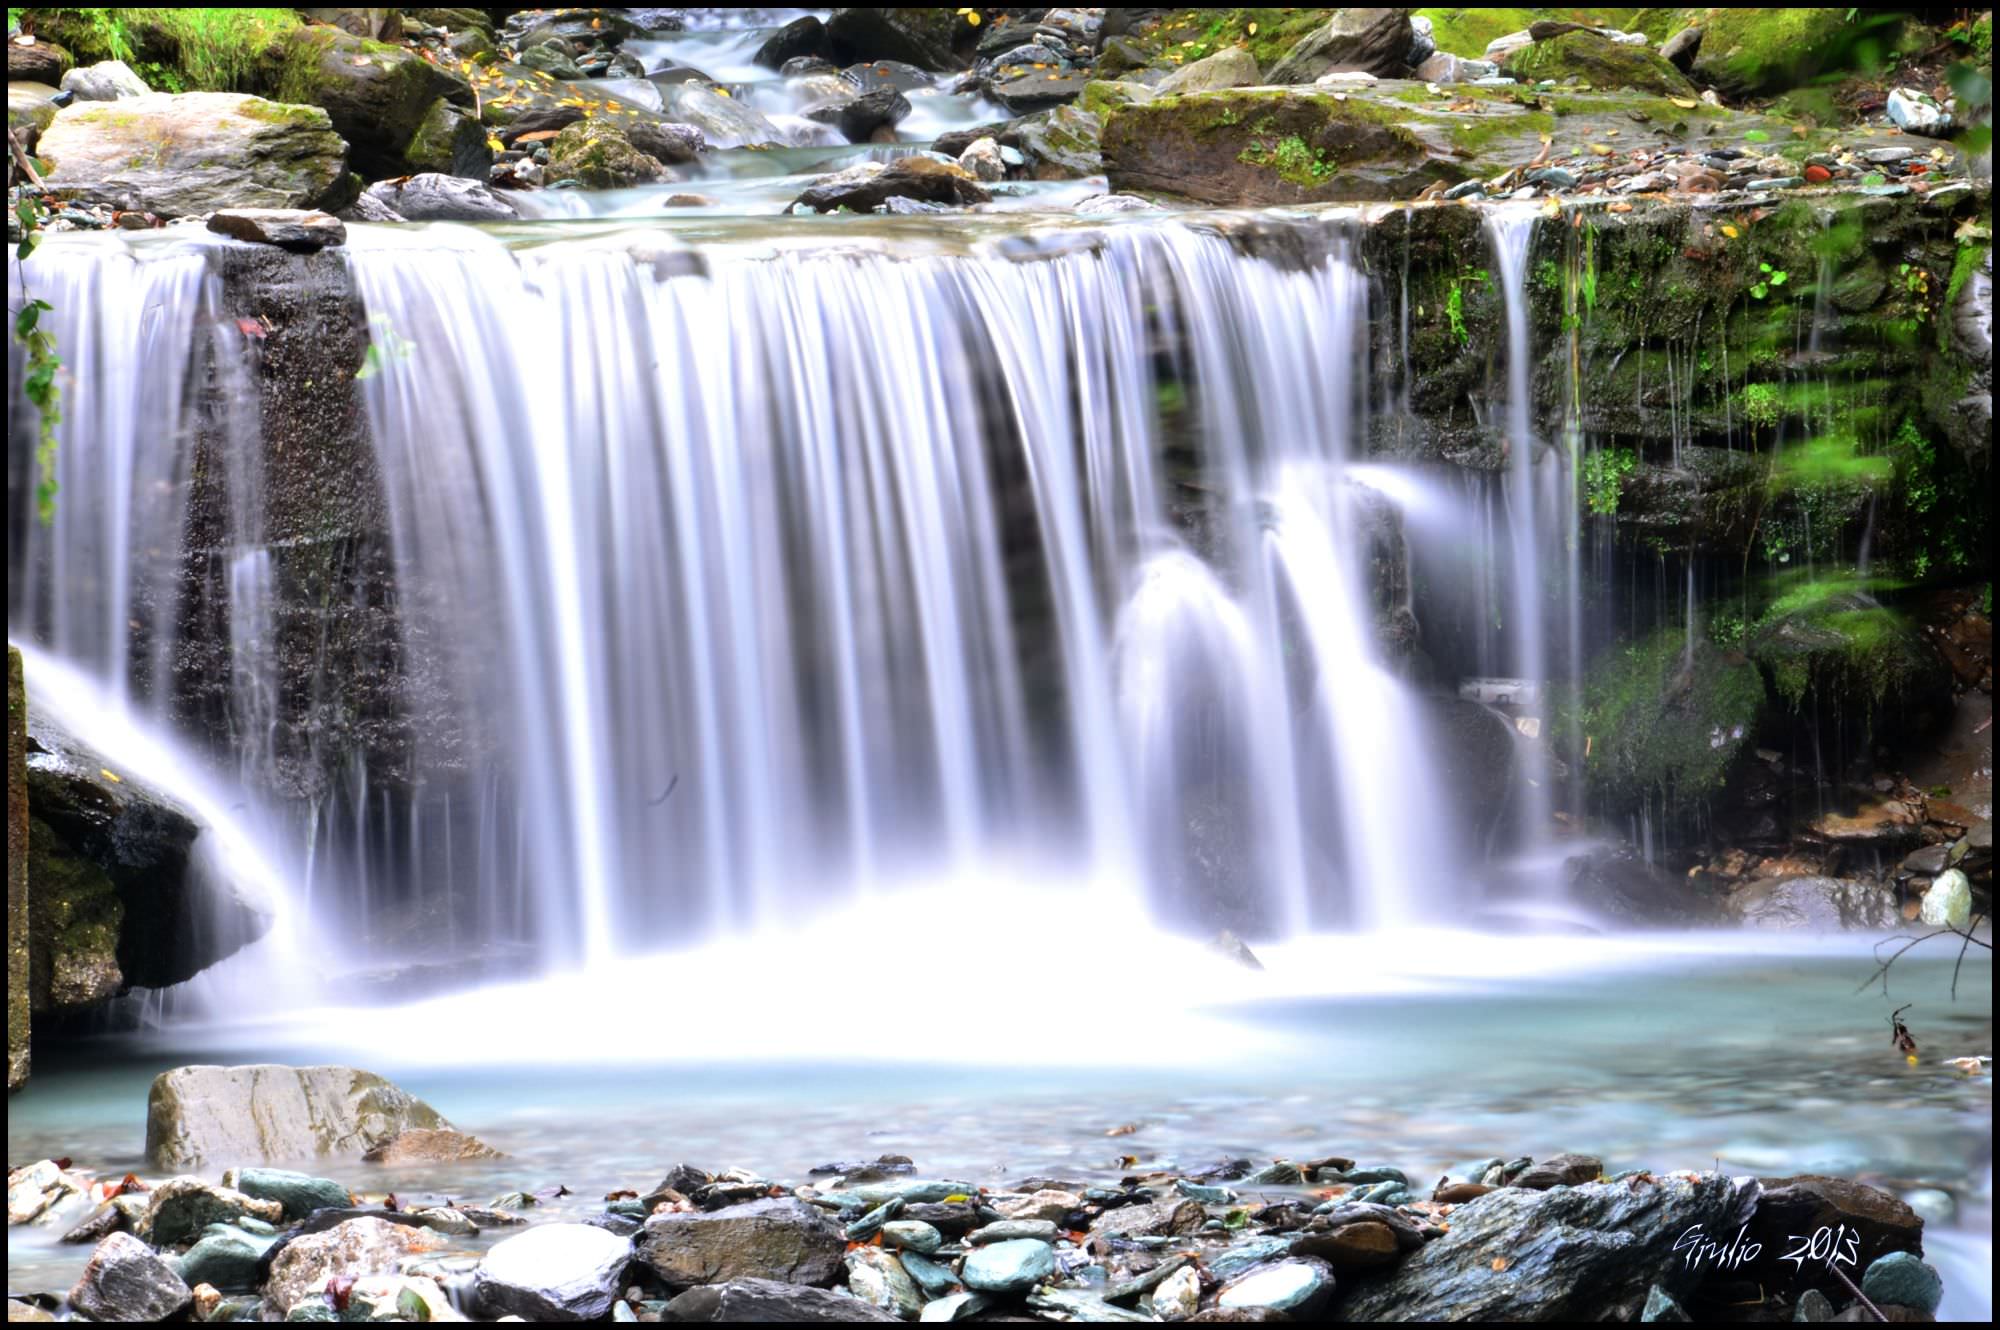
[804, 37]
[1231, 67]
[297, 1194]
[125, 1280]
[226, 1257]
[724, 122]
[877, 1277]
[1042, 1230]
[668, 143]
[912, 1235]
[920, 37]
[1915, 112]
[778, 1238]
[431, 197]
[1362, 1245]
[1680, 49]
[359, 1247]
[1567, 1253]
[1948, 901]
[187, 154]
[553, 1272]
[745, 1301]
[426, 1145]
[1178, 1296]
[105, 81]
[1814, 904]
[1795, 1208]
[1565, 1170]
[1905, 1280]
[1165, 1217]
[299, 230]
[1049, 1203]
[1373, 41]
[376, 1298]
[860, 118]
[598, 154]
[1300, 1289]
[1010, 1267]
[206, 1115]
[36, 61]
[180, 1208]
[924, 179]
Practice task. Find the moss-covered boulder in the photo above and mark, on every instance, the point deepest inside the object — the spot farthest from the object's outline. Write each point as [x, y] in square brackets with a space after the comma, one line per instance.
[1662, 719]
[1833, 640]
[188, 154]
[200, 1117]
[377, 95]
[1759, 51]
[450, 141]
[1466, 32]
[600, 156]
[17, 873]
[1589, 58]
[1260, 147]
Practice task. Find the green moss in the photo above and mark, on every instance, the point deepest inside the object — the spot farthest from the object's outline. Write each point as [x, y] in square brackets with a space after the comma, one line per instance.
[175, 49]
[1752, 51]
[1292, 159]
[1663, 717]
[1604, 473]
[1468, 31]
[1188, 35]
[1829, 636]
[1600, 62]
[74, 918]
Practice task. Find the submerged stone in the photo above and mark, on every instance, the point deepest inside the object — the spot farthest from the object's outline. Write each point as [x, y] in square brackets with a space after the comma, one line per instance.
[1009, 1267]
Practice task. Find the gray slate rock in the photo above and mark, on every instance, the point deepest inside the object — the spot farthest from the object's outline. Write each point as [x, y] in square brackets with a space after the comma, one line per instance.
[226, 1256]
[106, 81]
[1569, 1252]
[125, 1280]
[779, 1238]
[1374, 41]
[266, 1114]
[297, 1194]
[1564, 1170]
[1009, 1267]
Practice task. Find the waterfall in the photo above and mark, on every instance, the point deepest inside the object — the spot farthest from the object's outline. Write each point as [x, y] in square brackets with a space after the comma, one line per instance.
[766, 578]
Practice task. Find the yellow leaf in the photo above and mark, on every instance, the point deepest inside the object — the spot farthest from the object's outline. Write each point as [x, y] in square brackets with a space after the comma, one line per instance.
[957, 1197]
[1601, 149]
[1252, 29]
[972, 17]
[1499, 1263]
[110, 775]
[1685, 103]
[495, 144]
[1730, 231]
[722, 92]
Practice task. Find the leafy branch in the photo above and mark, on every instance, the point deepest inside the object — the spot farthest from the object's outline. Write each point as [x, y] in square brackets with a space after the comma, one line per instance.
[39, 383]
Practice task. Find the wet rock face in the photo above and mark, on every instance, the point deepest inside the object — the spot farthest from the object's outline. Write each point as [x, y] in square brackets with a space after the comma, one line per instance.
[1814, 905]
[553, 1272]
[128, 1281]
[187, 154]
[376, 95]
[1869, 1224]
[366, 1246]
[1567, 1253]
[17, 873]
[267, 1114]
[1372, 41]
[920, 37]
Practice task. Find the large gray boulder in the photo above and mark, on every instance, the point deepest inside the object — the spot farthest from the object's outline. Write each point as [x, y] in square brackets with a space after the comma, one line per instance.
[1374, 41]
[1231, 67]
[377, 96]
[198, 1116]
[191, 153]
[432, 197]
[1572, 1253]
[553, 1272]
[1814, 905]
[780, 1238]
[106, 81]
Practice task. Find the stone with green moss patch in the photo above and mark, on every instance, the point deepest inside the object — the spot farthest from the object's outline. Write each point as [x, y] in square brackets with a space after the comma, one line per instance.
[1663, 718]
[599, 155]
[1600, 62]
[1831, 638]
[18, 929]
[74, 916]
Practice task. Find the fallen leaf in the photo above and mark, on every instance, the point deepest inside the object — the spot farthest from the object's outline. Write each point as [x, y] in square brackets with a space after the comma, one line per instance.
[1685, 103]
[1124, 1130]
[115, 779]
[1499, 1263]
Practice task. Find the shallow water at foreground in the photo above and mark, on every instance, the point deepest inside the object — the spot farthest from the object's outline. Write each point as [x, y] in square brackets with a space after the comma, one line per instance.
[1671, 1055]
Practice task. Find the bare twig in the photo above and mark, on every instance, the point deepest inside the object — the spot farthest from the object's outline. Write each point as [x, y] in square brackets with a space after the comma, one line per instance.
[1841, 1275]
[22, 160]
[1881, 974]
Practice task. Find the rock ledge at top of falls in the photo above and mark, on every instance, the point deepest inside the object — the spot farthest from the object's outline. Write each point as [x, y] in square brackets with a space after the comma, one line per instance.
[206, 1116]
[181, 155]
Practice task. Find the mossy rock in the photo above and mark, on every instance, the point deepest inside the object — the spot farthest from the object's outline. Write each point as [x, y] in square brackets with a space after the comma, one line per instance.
[599, 155]
[1600, 62]
[1758, 52]
[18, 929]
[450, 141]
[1660, 719]
[1249, 148]
[1832, 639]
[74, 918]
[377, 95]
[1103, 96]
